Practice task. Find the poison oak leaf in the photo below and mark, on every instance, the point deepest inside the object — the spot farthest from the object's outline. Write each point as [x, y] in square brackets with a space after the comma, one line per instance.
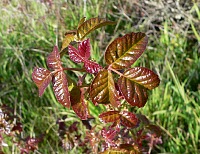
[134, 84]
[124, 51]
[83, 55]
[110, 116]
[53, 60]
[102, 89]
[60, 88]
[67, 40]
[78, 103]
[129, 119]
[42, 77]
[86, 27]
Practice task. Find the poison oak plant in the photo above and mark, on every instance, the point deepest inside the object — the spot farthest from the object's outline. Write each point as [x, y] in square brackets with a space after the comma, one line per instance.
[118, 86]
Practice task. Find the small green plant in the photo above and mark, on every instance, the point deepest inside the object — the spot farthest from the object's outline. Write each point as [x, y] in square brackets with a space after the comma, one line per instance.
[117, 85]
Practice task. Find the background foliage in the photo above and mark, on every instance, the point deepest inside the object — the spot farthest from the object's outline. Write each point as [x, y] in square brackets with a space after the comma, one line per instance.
[29, 30]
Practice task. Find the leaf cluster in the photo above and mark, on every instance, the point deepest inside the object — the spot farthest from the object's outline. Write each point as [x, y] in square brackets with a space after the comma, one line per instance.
[117, 85]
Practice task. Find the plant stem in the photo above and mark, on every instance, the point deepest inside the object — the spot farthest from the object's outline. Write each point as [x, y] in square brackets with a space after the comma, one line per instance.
[75, 69]
[111, 69]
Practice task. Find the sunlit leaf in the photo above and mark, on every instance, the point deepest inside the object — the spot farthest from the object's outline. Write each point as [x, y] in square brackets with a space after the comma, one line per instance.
[42, 77]
[53, 60]
[134, 94]
[110, 116]
[83, 55]
[142, 76]
[67, 40]
[102, 90]
[78, 103]
[128, 119]
[84, 49]
[92, 67]
[124, 51]
[90, 25]
[134, 84]
[115, 151]
[81, 21]
[74, 55]
[60, 87]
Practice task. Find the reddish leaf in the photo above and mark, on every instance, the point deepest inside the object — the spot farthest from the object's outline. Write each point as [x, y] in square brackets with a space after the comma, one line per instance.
[53, 60]
[128, 119]
[102, 89]
[90, 25]
[142, 76]
[42, 77]
[134, 83]
[82, 55]
[60, 87]
[134, 94]
[154, 130]
[109, 135]
[143, 119]
[124, 51]
[78, 103]
[84, 49]
[75, 55]
[110, 116]
[92, 67]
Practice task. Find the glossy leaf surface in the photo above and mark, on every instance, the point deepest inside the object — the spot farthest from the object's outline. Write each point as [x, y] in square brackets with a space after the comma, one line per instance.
[84, 49]
[124, 51]
[53, 60]
[78, 103]
[92, 67]
[90, 25]
[129, 119]
[102, 90]
[134, 94]
[60, 87]
[143, 77]
[110, 116]
[83, 55]
[67, 40]
[134, 84]
[75, 55]
[42, 77]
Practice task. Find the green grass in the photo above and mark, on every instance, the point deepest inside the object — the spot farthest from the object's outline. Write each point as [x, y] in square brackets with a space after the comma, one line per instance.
[29, 30]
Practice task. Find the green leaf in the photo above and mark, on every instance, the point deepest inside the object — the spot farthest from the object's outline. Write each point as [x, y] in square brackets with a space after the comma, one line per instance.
[90, 25]
[134, 84]
[124, 51]
[110, 116]
[67, 40]
[102, 89]
[81, 21]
